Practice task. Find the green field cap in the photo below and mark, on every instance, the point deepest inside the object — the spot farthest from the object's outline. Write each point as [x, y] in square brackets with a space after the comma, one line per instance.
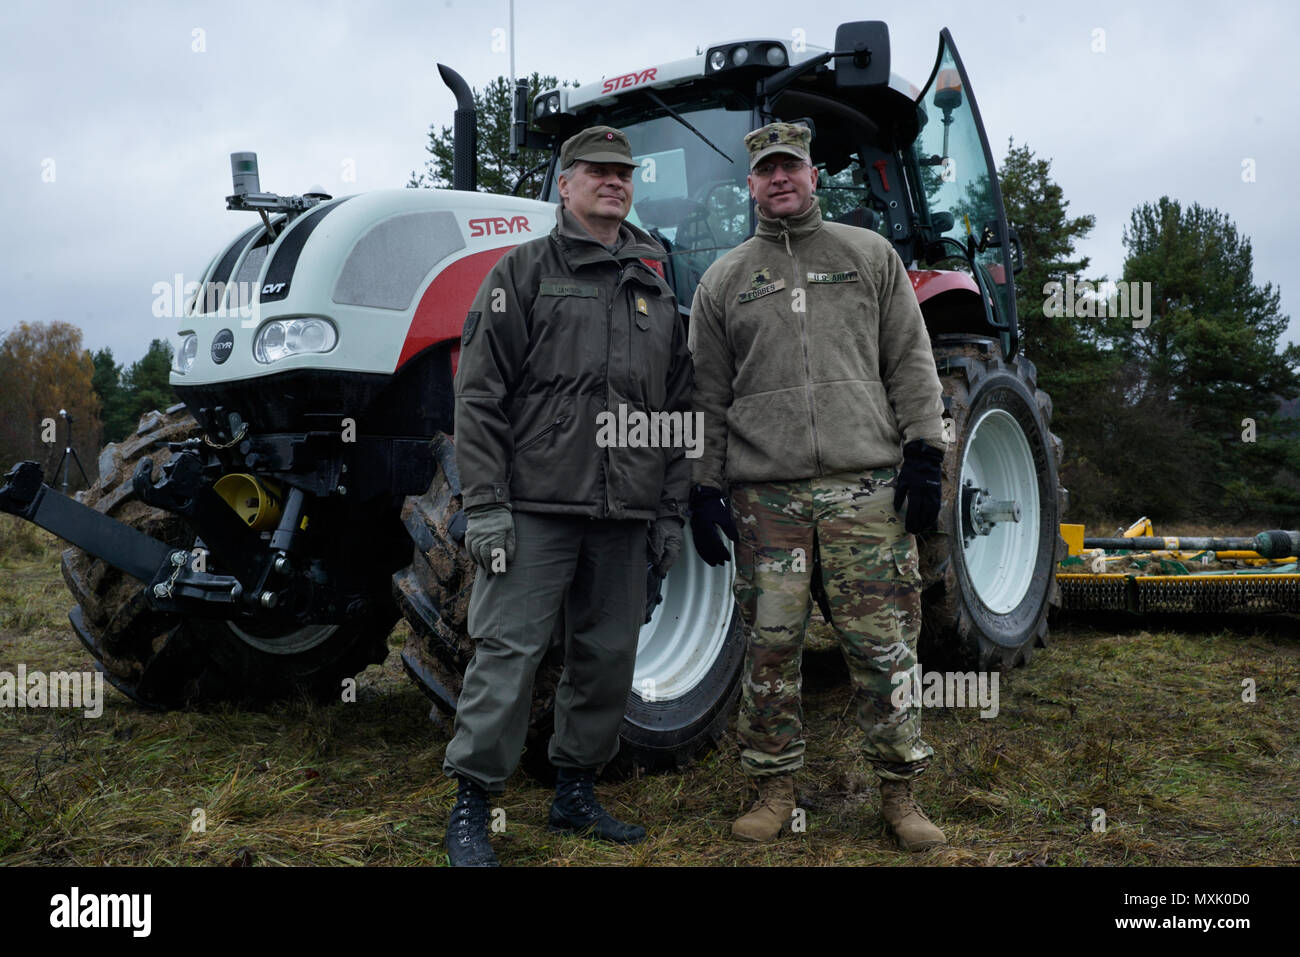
[598, 144]
[776, 138]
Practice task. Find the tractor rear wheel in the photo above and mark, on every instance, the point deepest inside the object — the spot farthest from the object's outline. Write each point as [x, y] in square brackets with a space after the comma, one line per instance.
[163, 660]
[689, 655]
[989, 569]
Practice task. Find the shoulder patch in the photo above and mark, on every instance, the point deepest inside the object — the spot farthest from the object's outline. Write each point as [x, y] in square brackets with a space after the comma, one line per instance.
[471, 323]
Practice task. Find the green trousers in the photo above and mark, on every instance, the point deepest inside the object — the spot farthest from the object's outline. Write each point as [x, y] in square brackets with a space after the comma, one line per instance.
[593, 571]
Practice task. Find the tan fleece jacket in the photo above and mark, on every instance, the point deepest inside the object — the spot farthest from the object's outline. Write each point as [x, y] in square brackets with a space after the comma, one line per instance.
[811, 356]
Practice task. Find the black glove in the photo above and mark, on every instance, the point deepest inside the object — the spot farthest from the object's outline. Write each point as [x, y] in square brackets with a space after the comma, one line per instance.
[919, 481]
[709, 508]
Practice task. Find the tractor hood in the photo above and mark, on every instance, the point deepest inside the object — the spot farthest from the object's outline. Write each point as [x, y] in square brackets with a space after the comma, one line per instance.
[356, 284]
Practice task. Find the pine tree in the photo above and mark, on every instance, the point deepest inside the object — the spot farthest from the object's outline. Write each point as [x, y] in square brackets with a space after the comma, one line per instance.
[147, 382]
[1074, 365]
[1065, 349]
[1210, 369]
[107, 383]
[496, 172]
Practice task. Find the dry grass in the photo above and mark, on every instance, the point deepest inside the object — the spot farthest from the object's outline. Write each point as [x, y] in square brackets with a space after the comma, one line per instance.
[1148, 725]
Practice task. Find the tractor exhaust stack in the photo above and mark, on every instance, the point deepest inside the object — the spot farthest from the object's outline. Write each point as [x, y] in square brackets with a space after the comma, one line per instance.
[464, 172]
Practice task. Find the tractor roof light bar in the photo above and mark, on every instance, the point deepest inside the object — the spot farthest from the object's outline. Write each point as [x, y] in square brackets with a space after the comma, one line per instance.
[862, 47]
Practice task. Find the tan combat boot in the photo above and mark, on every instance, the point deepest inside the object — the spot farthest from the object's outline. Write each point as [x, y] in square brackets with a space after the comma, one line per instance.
[911, 827]
[770, 812]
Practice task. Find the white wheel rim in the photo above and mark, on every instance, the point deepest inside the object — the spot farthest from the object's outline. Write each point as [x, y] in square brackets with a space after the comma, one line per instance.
[687, 631]
[998, 458]
[296, 642]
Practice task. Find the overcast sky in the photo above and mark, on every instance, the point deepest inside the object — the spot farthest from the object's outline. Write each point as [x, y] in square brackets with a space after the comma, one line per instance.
[119, 118]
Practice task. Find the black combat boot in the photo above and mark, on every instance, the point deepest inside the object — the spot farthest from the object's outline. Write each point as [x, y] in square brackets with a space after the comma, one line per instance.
[576, 810]
[467, 831]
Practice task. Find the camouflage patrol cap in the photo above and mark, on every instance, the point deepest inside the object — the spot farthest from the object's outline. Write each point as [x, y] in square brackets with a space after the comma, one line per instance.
[792, 138]
[597, 144]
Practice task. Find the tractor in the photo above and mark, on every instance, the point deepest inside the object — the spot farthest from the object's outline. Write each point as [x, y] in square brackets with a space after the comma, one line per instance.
[262, 539]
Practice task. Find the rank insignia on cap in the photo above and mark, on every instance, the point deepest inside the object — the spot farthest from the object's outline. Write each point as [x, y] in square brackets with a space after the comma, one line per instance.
[791, 138]
[609, 136]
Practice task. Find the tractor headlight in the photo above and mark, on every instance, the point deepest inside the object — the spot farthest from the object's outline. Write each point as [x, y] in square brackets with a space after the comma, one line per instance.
[183, 361]
[717, 59]
[775, 55]
[282, 338]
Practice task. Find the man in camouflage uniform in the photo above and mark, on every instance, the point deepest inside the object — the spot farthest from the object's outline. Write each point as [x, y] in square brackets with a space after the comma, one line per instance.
[816, 379]
[565, 329]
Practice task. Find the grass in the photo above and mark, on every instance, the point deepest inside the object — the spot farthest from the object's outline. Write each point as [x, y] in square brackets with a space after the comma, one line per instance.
[1146, 724]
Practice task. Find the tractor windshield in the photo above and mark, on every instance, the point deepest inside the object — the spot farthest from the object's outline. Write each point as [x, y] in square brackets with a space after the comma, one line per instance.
[686, 194]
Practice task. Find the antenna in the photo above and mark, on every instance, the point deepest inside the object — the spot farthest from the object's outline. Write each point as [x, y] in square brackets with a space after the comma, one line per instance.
[248, 193]
[514, 106]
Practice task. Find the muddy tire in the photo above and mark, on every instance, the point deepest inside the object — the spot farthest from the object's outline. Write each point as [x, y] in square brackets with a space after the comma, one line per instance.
[689, 655]
[989, 578]
[164, 661]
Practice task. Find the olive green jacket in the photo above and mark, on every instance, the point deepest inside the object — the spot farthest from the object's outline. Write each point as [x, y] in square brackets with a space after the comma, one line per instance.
[811, 356]
[562, 330]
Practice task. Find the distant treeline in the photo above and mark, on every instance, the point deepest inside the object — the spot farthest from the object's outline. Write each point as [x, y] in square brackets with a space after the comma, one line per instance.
[46, 372]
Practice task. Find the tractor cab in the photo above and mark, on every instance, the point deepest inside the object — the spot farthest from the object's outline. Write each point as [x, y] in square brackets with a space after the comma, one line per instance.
[911, 164]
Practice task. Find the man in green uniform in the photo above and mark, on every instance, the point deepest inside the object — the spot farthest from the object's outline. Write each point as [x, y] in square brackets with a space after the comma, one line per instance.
[816, 380]
[564, 331]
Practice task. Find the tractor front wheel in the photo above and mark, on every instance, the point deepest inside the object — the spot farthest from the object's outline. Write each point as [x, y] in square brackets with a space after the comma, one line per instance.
[166, 661]
[989, 570]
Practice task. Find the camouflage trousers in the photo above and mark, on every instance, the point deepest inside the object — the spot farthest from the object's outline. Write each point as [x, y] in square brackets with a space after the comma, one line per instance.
[871, 577]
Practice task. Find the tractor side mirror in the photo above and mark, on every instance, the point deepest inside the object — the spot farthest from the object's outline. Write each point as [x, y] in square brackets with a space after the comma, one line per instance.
[862, 54]
[989, 240]
[1017, 251]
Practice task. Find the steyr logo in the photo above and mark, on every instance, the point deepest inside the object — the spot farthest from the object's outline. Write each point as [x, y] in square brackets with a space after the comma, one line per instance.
[222, 345]
[498, 226]
[628, 79]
